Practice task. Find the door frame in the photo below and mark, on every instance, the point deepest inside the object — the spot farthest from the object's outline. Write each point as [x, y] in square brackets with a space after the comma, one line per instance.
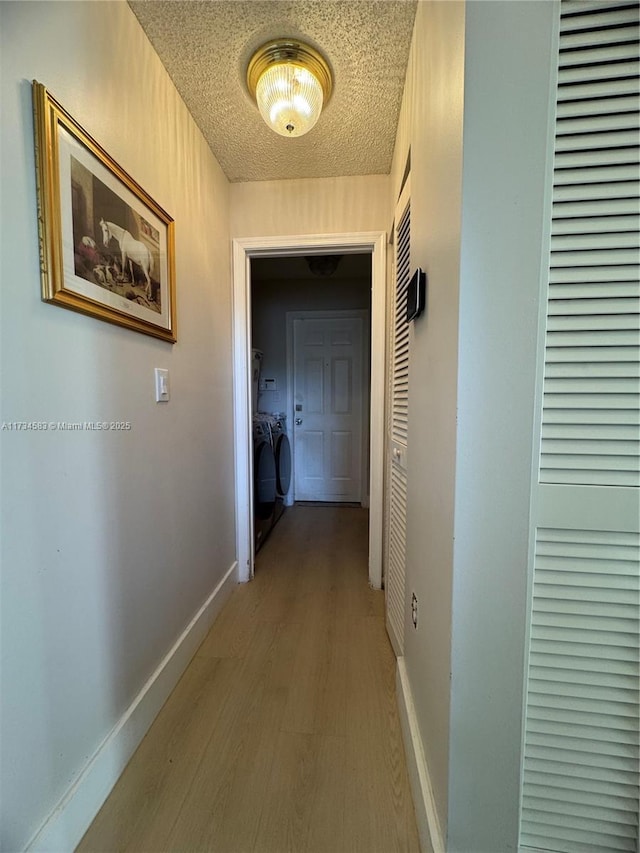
[320, 314]
[243, 249]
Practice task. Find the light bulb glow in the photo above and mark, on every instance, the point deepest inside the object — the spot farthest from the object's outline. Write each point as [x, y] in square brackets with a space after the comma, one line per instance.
[302, 105]
[289, 98]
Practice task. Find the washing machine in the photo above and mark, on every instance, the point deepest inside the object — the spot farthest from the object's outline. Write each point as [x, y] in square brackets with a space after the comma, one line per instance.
[282, 458]
[264, 481]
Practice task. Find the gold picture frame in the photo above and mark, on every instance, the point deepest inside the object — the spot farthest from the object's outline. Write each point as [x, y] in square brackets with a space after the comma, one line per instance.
[106, 247]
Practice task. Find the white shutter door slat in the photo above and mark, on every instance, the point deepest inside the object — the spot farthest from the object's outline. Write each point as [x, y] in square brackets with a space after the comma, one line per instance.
[580, 796]
[592, 159]
[594, 417]
[608, 238]
[595, 191]
[596, 174]
[624, 103]
[598, 207]
[617, 354]
[601, 290]
[581, 274]
[603, 383]
[571, 676]
[597, 306]
[585, 10]
[571, 476]
[602, 368]
[602, 638]
[591, 446]
[586, 790]
[597, 123]
[609, 50]
[594, 339]
[594, 15]
[590, 141]
[580, 31]
[581, 757]
[584, 431]
[623, 80]
[574, 840]
[572, 72]
[601, 37]
[596, 537]
[605, 319]
[592, 728]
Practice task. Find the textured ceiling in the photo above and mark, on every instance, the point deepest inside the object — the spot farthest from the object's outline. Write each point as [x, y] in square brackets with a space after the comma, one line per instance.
[205, 46]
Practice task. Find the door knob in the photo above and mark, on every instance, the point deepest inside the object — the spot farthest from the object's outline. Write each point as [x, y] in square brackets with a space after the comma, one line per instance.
[298, 421]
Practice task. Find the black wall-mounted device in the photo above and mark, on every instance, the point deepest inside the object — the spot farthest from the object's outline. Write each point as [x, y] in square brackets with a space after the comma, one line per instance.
[416, 294]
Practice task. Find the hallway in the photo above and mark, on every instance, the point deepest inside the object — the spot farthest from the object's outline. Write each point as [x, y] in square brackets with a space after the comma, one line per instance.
[283, 733]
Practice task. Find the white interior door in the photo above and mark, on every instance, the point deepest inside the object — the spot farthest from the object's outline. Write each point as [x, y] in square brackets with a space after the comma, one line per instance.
[581, 744]
[328, 408]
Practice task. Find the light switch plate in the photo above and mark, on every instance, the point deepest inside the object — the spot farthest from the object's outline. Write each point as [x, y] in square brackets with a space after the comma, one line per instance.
[162, 385]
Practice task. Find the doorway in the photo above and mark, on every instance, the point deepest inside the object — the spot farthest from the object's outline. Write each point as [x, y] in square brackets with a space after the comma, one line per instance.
[244, 252]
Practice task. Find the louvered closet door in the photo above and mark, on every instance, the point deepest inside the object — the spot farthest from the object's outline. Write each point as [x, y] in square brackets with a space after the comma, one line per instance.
[398, 424]
[581, 752]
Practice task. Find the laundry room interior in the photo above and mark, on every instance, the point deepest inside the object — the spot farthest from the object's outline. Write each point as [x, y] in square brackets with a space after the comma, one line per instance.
[324, 289]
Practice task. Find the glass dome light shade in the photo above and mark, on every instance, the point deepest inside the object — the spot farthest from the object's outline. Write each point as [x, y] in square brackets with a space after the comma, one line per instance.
[289, 99]
[291, 82]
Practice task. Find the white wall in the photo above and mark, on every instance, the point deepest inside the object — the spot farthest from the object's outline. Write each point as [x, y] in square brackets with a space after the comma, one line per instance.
[508, 86]
[110, 542]
[431, 124]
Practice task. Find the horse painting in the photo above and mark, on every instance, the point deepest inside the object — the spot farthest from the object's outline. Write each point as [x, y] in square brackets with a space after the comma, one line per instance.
[131, 250]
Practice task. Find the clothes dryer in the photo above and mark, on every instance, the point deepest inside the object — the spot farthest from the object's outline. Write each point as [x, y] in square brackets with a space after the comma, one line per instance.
[282, 456]
[264, 482]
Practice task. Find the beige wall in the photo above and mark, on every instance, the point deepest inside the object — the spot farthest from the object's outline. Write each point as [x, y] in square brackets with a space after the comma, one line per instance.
[310, 206]
[111, 542]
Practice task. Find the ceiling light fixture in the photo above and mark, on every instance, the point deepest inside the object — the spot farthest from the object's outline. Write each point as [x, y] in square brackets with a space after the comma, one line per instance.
[324, 265]
[290, 82]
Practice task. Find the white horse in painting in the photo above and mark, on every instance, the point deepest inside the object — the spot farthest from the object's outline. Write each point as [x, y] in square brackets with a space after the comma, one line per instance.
[131, 250]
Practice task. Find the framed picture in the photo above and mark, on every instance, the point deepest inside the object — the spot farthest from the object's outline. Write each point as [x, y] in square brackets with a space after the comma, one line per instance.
[106, 247]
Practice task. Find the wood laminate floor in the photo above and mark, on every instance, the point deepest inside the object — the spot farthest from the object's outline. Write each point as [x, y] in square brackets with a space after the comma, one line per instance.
[282, 735]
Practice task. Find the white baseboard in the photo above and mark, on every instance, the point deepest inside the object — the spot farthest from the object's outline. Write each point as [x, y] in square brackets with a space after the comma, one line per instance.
[431, 840]
[70, 819]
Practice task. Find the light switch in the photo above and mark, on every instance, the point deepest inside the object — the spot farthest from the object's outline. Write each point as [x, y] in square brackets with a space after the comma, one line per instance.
[162, 385]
